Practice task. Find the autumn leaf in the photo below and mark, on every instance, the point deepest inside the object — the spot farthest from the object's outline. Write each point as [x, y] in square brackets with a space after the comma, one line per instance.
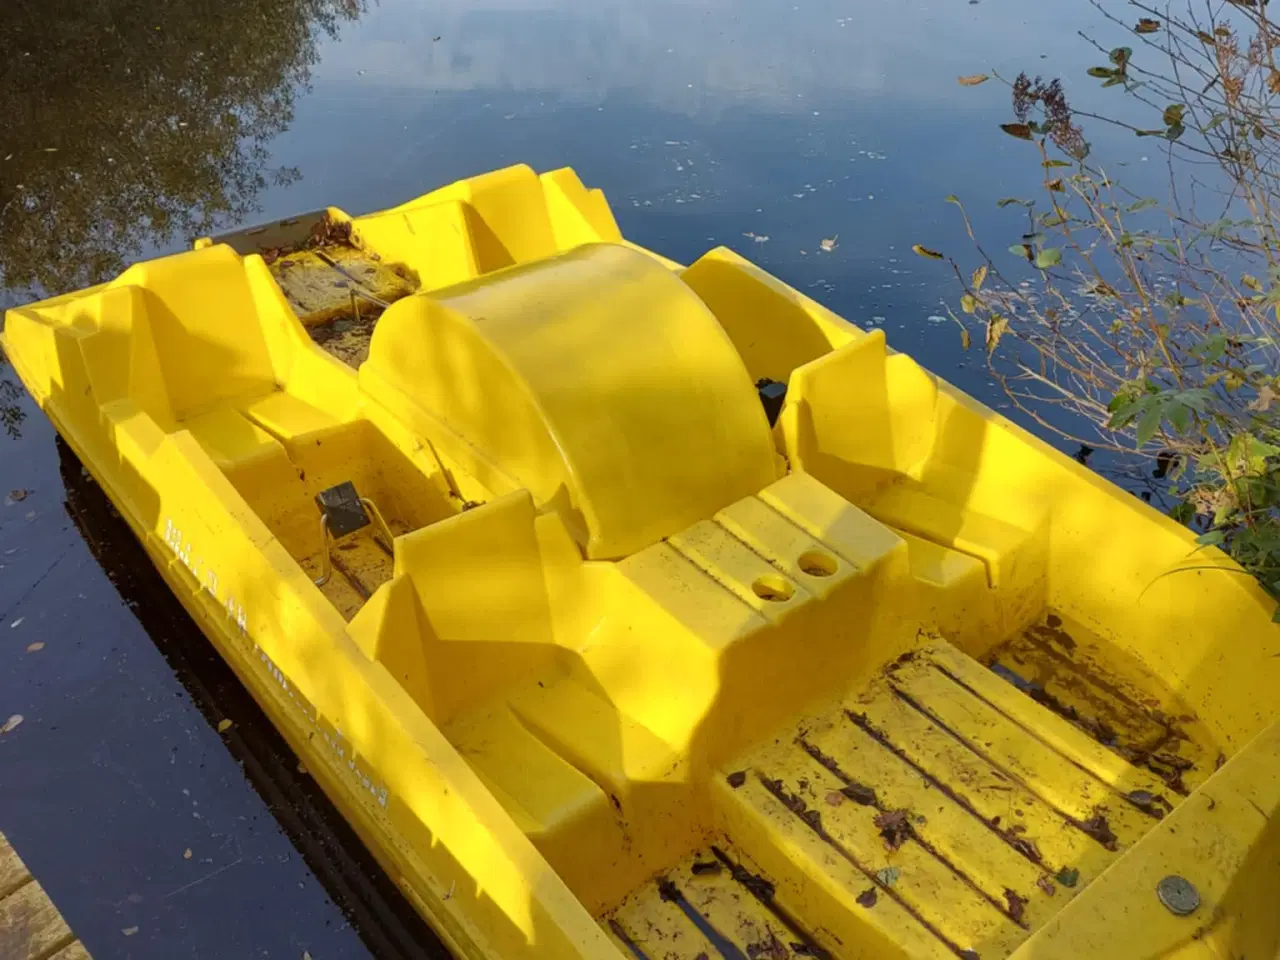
[186, 854]
[1273, 81]
[11, 724]
[1146, 25]
[829, 243]
[973, 79]
[1019, 130]
[996, 327]
[35, 647]
[224, 725]
[1266, 396]
[979, 276]
[968, 303]
[926, 252]
[965, 341]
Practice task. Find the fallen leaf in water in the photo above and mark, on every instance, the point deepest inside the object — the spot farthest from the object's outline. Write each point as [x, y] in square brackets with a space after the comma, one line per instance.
[35, 647]
[1045, 884]
[305, 954]
[18, 495]
[224, 725]
[17, 623]
[926, 252]
[888, 875]
[737, 778]
[835, 798]
[11, 723]
[302, 767]
[973, 79]
[129, 931]
[829, 243]
[868, 897]
[186, 854]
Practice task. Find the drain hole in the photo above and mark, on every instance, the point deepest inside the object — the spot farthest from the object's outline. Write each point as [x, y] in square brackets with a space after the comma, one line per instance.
[772, 588]
[818, 564]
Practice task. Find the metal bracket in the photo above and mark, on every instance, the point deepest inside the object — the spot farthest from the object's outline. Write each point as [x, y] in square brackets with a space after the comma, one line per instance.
[344, 512]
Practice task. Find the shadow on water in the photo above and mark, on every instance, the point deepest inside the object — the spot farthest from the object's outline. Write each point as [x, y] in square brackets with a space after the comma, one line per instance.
[385, 921]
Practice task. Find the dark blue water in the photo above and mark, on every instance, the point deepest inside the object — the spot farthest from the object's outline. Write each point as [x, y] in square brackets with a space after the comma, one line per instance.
[131, 127]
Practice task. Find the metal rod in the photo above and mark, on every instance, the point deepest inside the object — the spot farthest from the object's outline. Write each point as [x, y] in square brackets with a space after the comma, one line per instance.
[377, 515]
[326, 569]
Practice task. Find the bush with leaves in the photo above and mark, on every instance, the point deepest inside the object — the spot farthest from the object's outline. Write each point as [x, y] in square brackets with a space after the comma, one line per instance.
[1154, 324]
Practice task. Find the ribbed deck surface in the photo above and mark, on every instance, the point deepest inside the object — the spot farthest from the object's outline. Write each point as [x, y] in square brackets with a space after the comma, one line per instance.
[940, 810]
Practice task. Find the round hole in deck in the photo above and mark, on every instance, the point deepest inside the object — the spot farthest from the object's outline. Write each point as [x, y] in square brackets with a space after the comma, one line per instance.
[773, 588]
[818, 564]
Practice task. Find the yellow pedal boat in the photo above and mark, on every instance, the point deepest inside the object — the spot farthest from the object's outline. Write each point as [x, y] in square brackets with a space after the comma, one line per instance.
[630, 609]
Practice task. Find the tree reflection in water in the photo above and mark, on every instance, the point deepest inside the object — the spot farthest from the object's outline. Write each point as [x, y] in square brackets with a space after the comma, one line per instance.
[135, 124]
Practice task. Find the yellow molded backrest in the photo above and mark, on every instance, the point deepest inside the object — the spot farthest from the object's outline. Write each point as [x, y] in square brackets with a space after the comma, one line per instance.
[595, 379]
[203, 320]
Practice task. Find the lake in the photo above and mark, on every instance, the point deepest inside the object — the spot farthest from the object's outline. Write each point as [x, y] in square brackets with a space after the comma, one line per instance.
[132, 127]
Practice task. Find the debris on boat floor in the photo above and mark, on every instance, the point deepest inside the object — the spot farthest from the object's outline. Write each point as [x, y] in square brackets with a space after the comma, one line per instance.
[1113, 698]
[337, 289]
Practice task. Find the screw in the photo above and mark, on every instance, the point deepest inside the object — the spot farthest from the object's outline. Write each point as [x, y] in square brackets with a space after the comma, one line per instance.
[1178, 895]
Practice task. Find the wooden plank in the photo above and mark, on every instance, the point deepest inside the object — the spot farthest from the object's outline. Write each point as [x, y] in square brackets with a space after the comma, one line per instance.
[13, 872]
[30, 926]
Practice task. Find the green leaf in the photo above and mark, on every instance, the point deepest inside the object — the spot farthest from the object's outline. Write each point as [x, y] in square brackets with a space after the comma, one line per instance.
[1150, 133]
[1101, 72]
[1051, 220]
[952, 198]
[1114, 81]
[1211, 539]
[1175, 131]
[1021, 250]
[1020, 130]
[1179, 416]
[1054, 163]
[1149, 423]
[1010, 201]
[1216, 120]
[1251, 282]
[1048, 257]
[1144, 204]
